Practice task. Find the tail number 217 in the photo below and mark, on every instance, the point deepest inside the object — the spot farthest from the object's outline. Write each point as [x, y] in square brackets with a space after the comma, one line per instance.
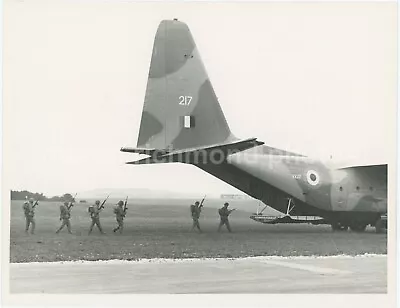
[185, 100]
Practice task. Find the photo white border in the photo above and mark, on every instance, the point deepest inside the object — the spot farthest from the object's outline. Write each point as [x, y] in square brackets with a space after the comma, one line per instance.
[270, 300]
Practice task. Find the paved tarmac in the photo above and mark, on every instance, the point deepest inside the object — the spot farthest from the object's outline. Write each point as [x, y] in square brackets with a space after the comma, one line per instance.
[304, 275]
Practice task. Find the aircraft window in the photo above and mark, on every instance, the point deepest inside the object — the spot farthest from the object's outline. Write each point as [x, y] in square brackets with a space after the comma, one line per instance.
[313, 177]
[340, 188]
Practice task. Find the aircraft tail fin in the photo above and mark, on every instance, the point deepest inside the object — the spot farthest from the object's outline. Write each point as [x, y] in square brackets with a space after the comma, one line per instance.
[180, 109]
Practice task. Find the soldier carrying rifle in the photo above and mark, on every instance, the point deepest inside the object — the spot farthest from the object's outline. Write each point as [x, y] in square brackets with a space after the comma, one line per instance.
[65, 215]
[223, 214]
[29, 211]
[94, 211]
[120, 213]
[195, 210]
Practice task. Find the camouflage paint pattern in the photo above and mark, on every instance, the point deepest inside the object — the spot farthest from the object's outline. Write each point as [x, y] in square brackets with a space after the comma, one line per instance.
[179, 86]
[310, 181]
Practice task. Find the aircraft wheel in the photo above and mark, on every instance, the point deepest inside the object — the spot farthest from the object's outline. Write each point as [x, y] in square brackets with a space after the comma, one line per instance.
[380, 226]
[358, 227]
[339, 227]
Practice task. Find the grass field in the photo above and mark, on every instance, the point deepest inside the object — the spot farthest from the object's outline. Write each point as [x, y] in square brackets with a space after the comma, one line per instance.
[161, 229]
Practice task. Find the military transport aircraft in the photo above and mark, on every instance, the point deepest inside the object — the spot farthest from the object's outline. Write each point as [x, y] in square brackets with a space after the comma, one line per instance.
[182, 121]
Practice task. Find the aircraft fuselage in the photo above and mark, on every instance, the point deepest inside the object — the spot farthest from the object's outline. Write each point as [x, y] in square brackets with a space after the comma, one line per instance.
[340, 194]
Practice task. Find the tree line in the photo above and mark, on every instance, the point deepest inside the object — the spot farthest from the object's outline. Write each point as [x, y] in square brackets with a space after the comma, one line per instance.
[24, 194]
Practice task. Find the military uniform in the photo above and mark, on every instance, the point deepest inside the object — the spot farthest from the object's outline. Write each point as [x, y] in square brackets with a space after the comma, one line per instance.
[65, 215]
[119, 215]
[223, 214]
[29, 211]
[195, 210]
[94, 211]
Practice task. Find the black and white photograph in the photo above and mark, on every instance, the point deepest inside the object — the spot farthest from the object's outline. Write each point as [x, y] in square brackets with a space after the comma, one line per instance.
[201, 148]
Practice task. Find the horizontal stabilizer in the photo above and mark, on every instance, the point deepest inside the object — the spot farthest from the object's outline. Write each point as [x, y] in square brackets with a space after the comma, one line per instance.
[145, 151]
[218, 152]
[146, 161]
[232, 147]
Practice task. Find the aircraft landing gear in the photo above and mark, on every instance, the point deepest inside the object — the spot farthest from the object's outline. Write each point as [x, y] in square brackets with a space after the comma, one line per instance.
[289, 206]
[358, 227]
[381, 226]
[337, 226]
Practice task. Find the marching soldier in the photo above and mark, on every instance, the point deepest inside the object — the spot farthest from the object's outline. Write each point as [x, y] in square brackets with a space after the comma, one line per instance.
[196, 210]
[223, 214]
[65, 215]
[120, 213]
[29, 211]
[94, 211]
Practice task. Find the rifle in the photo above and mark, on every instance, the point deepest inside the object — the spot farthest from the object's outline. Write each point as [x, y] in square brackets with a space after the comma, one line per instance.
[125, 204]
[71, 204]
[230, 211]
[201, 203]
[36, 203]
[102, 205]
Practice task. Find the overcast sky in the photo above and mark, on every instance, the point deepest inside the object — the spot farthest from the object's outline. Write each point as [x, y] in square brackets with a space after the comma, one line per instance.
[318, 79]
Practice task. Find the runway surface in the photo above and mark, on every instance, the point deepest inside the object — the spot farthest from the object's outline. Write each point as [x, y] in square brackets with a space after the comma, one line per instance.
[340, 274]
